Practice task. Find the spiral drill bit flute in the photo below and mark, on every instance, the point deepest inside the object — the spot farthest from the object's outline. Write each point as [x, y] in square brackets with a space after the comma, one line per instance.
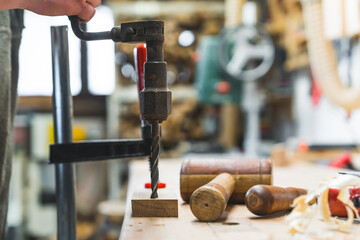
[154, 158]
[155, 102]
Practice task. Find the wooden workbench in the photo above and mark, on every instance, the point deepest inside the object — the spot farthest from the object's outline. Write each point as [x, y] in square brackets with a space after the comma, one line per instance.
[236, 223]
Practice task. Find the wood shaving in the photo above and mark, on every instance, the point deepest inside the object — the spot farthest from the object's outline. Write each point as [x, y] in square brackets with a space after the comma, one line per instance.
[304, 211]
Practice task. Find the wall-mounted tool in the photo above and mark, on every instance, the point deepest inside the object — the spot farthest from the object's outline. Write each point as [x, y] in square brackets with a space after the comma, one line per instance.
[246, 172]
[155, 102]
[208, 202]
[264, 200]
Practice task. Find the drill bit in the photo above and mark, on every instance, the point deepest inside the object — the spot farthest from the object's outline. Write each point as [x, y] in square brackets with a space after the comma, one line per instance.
[154, 157]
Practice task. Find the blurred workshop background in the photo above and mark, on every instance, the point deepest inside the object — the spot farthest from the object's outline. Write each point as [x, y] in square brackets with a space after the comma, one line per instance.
[251, 78]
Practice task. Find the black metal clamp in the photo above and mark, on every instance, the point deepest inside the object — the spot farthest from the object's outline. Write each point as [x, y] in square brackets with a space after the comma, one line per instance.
[151, 32]
[99, 150]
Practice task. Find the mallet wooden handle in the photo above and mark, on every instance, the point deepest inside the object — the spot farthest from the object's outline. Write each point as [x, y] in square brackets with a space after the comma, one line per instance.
[265, 199]
[208, 202]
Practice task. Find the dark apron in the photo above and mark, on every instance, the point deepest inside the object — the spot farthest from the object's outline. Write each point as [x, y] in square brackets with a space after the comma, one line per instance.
[11, 25]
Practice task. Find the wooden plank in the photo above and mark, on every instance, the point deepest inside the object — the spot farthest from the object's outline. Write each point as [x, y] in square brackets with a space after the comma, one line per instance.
[237, 222]
[166, 205]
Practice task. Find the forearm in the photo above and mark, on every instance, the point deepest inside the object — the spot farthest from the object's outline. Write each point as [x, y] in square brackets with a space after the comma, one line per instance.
[12, 4]
[84, 9]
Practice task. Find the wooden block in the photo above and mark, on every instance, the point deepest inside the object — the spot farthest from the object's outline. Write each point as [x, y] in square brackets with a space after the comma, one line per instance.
[166, 205]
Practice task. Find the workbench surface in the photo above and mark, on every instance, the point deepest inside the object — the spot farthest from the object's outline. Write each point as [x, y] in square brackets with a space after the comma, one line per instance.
[236, 223]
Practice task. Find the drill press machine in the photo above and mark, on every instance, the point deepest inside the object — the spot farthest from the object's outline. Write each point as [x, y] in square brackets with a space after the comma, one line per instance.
[155, 105]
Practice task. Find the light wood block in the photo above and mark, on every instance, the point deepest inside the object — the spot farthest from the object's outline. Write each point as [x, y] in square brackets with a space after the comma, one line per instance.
[166, 205]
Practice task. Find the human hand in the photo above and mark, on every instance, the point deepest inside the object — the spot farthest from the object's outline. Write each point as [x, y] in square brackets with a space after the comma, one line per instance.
[84, 9]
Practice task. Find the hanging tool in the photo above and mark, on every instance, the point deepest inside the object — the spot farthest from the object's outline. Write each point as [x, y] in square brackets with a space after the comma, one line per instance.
[208, 202]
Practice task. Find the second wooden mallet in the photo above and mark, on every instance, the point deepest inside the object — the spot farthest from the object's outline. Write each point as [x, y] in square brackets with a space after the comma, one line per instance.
[208, 202]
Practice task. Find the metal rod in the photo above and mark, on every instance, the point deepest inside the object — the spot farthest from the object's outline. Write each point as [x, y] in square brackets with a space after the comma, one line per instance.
[62, 115]
[87, 36]
[84, 66]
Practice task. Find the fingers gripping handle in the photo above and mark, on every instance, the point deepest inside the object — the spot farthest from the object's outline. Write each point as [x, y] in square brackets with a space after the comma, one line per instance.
[87, 36]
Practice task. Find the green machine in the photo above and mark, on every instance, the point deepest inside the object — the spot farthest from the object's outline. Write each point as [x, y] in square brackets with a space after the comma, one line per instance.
[212, 84]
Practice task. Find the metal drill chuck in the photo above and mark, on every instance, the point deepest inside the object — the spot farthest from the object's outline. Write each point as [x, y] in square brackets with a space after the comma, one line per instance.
[155, 99]
[155, 107]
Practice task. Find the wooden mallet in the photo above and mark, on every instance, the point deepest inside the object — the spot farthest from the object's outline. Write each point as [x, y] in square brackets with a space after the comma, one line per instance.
[246, 172]
[208, 202]
[264, 200]
[208, 184]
